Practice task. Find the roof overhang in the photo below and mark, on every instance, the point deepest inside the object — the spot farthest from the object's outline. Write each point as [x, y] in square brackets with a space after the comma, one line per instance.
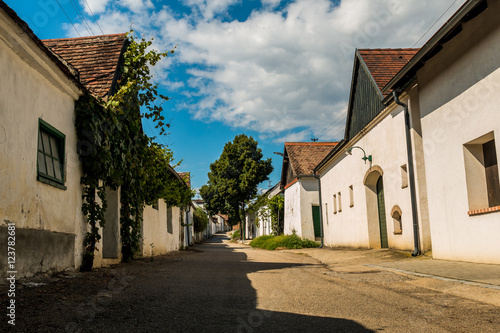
[330, 155]
[448, 31]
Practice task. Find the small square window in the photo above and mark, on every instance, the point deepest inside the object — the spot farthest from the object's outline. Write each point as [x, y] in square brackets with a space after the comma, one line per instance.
[326, 210]
[351, 196]
[334, 204]
[404, 176]
[481, 171]
[50, 159]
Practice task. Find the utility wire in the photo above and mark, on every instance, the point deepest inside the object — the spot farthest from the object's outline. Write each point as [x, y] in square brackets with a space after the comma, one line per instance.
[95, 20]
[334, 123]
[434, 23]
[82, 17]
[68, 18]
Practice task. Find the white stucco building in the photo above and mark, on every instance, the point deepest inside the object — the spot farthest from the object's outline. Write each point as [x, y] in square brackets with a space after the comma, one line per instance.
[455, 91]
[301, 187]
[366, 193]
[437, 188]
[39, 168]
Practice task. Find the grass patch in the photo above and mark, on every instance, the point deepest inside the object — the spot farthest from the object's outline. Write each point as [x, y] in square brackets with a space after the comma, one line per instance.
[282, 241]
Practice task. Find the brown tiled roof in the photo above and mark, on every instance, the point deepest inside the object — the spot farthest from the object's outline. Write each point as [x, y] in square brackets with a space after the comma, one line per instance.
[383, 64]
[304, 156]
[96, 59]
[186, 176]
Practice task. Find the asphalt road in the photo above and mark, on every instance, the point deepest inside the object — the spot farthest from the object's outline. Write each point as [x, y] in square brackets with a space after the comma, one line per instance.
[227, 287]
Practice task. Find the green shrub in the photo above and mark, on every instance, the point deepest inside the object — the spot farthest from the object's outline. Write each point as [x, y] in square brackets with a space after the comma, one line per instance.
[236, 234]
[289, 242]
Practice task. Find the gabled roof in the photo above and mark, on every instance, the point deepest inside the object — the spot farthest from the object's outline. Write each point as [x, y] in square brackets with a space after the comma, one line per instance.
[383, 64]
[96, 58]
[303, 157]
[372, 69]
[273, 190]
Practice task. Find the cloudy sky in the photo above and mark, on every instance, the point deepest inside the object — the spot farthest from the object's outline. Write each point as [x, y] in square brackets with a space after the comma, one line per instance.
[277, 70]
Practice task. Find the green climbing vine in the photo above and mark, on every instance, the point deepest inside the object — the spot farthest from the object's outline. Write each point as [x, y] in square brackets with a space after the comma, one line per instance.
[116, 154]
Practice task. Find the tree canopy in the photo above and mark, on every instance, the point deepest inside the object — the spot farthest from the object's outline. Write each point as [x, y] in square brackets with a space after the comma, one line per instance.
[234, 177]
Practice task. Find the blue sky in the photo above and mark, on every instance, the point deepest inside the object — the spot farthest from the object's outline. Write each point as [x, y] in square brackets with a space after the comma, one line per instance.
[276, 70]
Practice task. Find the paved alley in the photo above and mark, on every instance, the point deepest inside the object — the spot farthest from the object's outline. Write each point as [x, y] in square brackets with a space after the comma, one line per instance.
[221, 286]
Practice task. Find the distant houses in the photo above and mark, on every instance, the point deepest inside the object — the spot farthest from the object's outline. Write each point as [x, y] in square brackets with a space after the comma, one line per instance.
[301, 187]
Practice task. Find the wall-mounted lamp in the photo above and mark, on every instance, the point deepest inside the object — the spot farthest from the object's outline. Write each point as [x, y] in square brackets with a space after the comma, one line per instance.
[364, 158]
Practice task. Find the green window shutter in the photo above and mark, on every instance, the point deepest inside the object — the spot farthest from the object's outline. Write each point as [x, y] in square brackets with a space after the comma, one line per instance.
[50, 157]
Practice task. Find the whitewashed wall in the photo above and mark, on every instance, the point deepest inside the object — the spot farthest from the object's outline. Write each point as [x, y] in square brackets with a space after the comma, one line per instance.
[299, 199]
[292, 210]
[459, 102]
[357, 226]
[33, 87]
[156, 238]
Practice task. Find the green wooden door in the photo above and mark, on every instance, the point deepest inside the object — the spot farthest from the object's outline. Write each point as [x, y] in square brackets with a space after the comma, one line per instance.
[316, 221]
[381, 214]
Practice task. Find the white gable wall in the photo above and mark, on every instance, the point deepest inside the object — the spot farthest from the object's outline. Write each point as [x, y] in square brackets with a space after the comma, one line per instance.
[299, 199]
[357, 226]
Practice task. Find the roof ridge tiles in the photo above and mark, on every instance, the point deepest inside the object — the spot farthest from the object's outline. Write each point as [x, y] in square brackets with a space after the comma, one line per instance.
[82, 38]
[390, 49]
[323, 143]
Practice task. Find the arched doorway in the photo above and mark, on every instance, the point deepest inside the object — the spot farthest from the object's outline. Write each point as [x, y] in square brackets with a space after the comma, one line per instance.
[375, 208]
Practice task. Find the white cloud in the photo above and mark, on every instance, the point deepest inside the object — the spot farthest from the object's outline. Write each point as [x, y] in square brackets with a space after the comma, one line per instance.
[284, 72]
[209, 8]
[96, 6]
[137, 5]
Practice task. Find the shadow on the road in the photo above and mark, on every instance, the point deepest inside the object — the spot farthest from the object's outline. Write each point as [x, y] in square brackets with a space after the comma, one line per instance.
[195, 291]
[234, 303]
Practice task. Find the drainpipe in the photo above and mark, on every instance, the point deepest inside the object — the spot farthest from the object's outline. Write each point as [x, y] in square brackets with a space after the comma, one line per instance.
[411, 174]
[320, 208]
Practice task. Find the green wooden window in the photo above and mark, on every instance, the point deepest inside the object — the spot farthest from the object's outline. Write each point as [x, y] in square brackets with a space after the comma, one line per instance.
[50, 160]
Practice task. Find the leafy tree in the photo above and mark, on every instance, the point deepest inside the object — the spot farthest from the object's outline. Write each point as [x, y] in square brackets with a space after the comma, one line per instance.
[234, 177]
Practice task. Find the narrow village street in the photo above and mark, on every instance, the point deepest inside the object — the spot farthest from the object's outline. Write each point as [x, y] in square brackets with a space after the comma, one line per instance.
[220, 286]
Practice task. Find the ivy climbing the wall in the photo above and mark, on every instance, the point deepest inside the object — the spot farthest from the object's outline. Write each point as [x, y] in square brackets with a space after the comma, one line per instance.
[115, 153]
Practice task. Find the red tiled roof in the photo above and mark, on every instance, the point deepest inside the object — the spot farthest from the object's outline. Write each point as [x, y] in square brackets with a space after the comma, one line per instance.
[96, 58]
[304, 156]
[384, 64]
[186, 176]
